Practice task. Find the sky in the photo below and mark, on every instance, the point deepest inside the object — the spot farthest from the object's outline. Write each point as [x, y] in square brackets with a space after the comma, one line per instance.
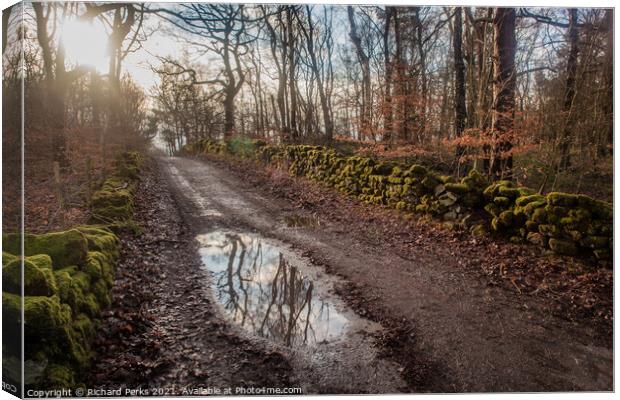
[84, 45]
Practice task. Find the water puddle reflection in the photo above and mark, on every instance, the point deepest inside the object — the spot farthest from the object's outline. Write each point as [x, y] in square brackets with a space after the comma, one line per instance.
[262, 292]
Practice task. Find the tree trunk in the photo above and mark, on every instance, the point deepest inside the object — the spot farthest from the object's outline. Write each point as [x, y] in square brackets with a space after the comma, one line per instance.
[291, 76]
[388, 116]
[569, 93]
[421, 131]
[460, 108]
[401, 103]
[608, 105]
[364, 61]
[229, 114]
[504, 82]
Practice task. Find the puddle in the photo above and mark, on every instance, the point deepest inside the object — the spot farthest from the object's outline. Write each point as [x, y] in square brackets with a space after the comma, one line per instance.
[260, 290]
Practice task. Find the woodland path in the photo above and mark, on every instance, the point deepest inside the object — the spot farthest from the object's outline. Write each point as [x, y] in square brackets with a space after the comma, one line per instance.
[464, 335]
[417, 321]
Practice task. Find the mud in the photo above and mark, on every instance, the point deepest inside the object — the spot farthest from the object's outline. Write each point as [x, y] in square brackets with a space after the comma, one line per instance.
[440, 328]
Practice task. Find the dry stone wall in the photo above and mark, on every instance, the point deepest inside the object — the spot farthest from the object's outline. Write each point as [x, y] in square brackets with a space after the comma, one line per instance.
[67, 281]
[563, 223]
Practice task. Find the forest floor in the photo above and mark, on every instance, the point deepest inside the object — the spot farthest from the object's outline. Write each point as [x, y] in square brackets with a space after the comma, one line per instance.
[430, 310]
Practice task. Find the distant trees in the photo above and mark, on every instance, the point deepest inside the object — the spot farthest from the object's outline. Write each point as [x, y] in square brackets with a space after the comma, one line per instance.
[185, 112]
[225, 32]
[427, 77]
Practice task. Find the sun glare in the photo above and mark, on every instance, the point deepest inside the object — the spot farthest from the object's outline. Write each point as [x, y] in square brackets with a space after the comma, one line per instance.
[86, 44]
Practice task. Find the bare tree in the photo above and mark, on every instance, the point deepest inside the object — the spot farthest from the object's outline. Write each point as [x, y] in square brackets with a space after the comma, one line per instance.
[504, 79]
[569, 93]
[225, 26]
[364, 60]
[460, 108]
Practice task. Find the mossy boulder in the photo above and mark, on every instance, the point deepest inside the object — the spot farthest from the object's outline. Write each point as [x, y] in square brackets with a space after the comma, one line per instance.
[115, 192]
[37, 281]
[537, 239]
[563, 199]
[479, 230]
[43, 315]
[563, 247]
[8, 257]
[534, 198]
[504, 221]
[457, 188]
[73, 289]
[100, 238]
[65, 248]
[417, 171]
[502, 201]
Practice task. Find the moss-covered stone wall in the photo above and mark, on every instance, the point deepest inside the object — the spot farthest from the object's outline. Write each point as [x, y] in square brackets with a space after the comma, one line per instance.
[564, 223]
[67, 280]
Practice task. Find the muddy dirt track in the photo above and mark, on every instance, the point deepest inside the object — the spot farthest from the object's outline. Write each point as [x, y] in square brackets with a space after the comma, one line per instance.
[415, 322]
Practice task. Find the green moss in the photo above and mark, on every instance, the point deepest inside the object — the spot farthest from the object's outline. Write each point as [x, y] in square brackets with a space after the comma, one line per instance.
[111, 214]
[401, 205]
[417, 171]
[475, 180]
[537, 239]
[562, 199]
[421, 208]
[502, 202]
[59, 377]
[503, 221]
[540, 216]
[531, 226]
[575, 236]
[41, 261]
[92, 306]
[394, 180]
[430, 183]
[516, 239]
[525, 191]
[44, 314]
[105, 265]
[102, 293]
[525, 200]
[65, 248]
[510, 192]
[547, 229]
[479, 230]
[383, 168]
[100, 238]
[563, 247]
[457, 188]
[37, 281]
[84, 326]
[492, 209]
[530, 208]
[11, 309]
[73, 286]
[111, 196]
[8, 257]
[446, 179]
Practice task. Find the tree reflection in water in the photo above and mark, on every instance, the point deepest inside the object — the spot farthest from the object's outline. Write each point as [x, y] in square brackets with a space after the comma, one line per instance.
[263, 293]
